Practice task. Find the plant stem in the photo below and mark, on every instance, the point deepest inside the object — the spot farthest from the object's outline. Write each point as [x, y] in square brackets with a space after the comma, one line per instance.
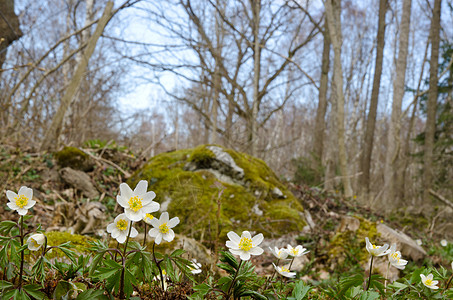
[117, 247]
[144, 236]
[386, 276]
[234, 279]
[121, 292]
[272, 277]
[448, 283]
[22, 252]
[291, 263]
[158, 266]
[371, 268]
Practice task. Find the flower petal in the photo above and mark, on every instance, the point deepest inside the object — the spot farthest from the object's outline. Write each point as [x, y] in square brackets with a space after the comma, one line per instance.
[110, 227]
[121, 239]
[12, 205]
[235, 251]
[126, 191]
[151, 207]
[141, 188]
[22, 211]
[173, 222]
[11, 195]
[134, 216]
[158, 238]
[30, 204]
[134, 232]
[27, 192]
[257, 239]
[153, 232]
[169, 236]
[256, 251]
[155, 222]
[232, 245]
[149, 196]
[164, 217]
[234, 237]
[122, 201]
[244, 255]
[246, 234]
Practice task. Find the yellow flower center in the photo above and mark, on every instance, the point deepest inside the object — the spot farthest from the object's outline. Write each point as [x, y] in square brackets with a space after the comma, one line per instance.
[285, 270]
[164, 228]
[149, 216]
[428, 282]
[279, 253]
[121, 224]
[375, 247]
[245, 244]
[294, 251]
[21, 201]
[395, 256]
[135, 203]
[35, 243]
[164, 272]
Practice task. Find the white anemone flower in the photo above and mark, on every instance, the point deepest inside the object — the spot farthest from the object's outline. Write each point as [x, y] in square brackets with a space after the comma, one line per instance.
[162, 228]
[376, 250]
[244, 245]
[164, 275]
[443, 243]
[429, 282]
[279, 253]
[297, 251]
[22, 201]
[120, 228]
[195, 267]
[35, 241]
[284, 271]
[395, 258]
[138, 202]
[419, 242]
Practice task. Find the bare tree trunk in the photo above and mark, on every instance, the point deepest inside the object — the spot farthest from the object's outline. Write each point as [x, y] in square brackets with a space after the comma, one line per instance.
[432, 102]
[52, 133]
[253, 138]
[371, 120]
[9, 28]
[334, 23]
[393, 137]
[320, 123]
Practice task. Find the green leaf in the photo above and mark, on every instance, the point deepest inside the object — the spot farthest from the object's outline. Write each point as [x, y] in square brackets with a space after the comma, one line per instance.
[34, 290]
[9, 295]
[66, 289]
[92, 294]
[177, 252]
[369, 295]
[5, 285]
[96, 260]
[253, 294]
[6, 226]
[300, 290]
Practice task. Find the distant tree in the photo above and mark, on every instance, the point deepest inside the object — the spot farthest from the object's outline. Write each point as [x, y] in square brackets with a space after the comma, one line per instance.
[9, 28]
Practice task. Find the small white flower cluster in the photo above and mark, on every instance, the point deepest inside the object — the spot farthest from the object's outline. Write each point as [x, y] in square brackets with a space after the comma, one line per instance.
[22, 202]
[138, 205]
[393, 255]
[283, 253]
[246, 245]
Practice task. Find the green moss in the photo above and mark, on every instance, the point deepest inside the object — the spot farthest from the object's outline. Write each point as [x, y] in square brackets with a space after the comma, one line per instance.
[193, 195]
[344, 243]
[72, 157]
[78, 242]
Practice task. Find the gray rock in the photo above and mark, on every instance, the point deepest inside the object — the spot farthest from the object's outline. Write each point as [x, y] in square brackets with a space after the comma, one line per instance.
[224, 160]
[408, 247]
[80, 181]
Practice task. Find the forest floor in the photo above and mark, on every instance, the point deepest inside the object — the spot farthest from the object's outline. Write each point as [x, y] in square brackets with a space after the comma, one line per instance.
[112, 165]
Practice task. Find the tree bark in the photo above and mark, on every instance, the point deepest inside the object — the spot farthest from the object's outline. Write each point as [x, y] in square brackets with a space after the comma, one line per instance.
[432, 102]
[52, 134]
[334, 23]
[393, 137]
[9, 28]
[256, 6]
[320, 122]
[371, 120]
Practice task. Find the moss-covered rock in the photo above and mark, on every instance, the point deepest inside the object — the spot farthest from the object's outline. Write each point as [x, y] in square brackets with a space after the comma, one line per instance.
[74, 158]
[79, 243]
[199, 184]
